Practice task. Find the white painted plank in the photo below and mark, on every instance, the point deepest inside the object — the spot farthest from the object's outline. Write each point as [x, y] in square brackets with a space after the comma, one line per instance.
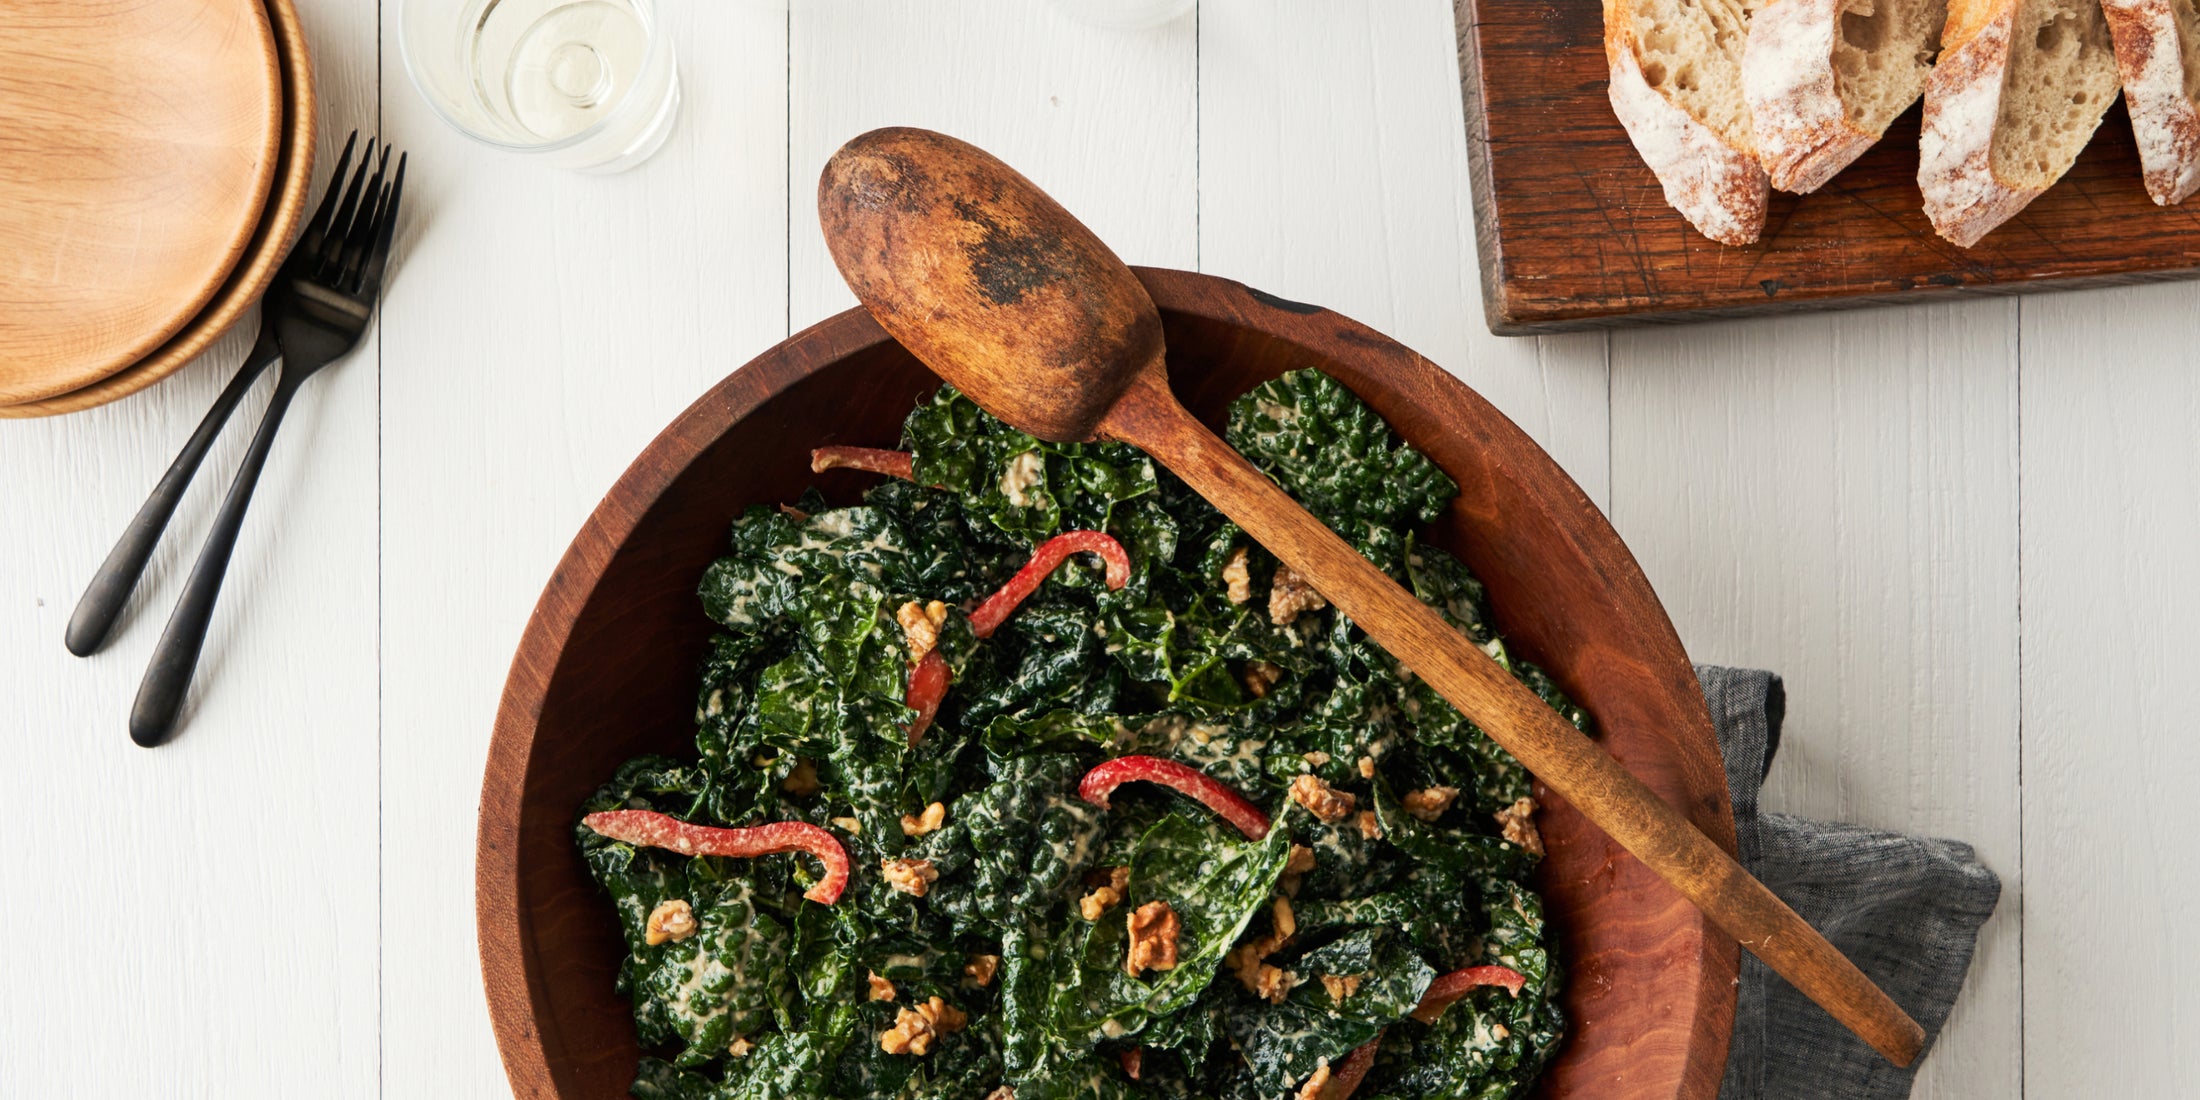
[1333, 170]
[1104, 120]
[199, 920]
[542, 327]
[1835, 498]
[2111, 522]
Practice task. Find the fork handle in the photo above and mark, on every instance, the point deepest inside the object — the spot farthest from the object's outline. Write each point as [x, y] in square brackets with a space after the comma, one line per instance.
[110, 587]
[176, 656]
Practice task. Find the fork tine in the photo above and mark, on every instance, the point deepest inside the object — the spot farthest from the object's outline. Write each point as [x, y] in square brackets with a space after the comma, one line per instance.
[361, 233]
[310, 243]
[370, 279]
[333, 245]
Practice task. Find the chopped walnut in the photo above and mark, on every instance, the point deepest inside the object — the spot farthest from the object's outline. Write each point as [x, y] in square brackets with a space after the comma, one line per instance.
[1367, 767]
[1518, 821]
[920, 626]
[1273, 983]
[915, 1027]
[1300, 861]
[1002, 1093]
[1315, 1082]
[1093, 905]
[740, 1047]
[881, 989]
[851, 825]
[1287, 923]
[1290, 597]
[981, 968]
[1370, 827]
[1500, 1032]
[1154, 928]
[1315, 759]
[1326, 803]
[913, 877]
[920, 824]
[1341, 986]
[794, 513]
[672, 920]
[1260, 676]
[1238, 577]
[1429, 804]
[802, 781]
[1024, 472]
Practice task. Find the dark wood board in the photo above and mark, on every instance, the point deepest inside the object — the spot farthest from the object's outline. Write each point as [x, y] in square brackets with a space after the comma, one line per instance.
[1574, 231]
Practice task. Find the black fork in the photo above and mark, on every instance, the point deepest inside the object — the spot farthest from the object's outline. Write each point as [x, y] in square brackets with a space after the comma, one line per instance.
[317, 310]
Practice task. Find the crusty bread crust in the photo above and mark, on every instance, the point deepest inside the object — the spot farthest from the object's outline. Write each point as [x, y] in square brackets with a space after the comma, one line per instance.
[2163, 118]
[1963, 198]
[1720, 189]
[1804, 135]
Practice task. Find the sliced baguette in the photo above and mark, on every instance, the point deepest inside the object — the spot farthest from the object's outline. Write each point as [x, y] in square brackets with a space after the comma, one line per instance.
[1677, 88]
[2158, 56]
[2020, 88]
[1824, 78]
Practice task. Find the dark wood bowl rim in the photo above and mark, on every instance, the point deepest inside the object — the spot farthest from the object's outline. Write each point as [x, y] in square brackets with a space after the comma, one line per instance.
[515, 996]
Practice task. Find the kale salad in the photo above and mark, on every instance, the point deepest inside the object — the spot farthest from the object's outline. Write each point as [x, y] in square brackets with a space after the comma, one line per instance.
[1033, 778]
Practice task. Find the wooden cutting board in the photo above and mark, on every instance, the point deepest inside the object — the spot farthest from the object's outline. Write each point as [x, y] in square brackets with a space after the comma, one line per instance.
[1575, 233]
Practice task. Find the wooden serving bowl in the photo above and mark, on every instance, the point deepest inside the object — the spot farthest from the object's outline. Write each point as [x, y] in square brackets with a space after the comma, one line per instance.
[606, 671]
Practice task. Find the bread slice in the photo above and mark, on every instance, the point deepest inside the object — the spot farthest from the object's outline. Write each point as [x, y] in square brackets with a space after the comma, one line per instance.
[2020, 87]
[2158, 56]
[1824, 78]
[1677, 88]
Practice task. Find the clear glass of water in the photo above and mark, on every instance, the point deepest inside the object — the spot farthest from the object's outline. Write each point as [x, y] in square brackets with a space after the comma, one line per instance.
[590, 85]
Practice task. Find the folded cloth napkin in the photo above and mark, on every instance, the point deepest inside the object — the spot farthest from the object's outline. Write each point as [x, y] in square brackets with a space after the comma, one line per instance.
[1907, 909]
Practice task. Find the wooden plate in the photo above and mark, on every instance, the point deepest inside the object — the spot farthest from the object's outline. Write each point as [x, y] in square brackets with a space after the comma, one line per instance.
[263, 255]
[140, 140]
[606, 671]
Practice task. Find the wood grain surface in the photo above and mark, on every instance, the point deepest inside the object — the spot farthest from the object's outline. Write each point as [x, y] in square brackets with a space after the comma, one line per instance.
[1574, 231]
[588, 687]
[140, 141]
[280, 218]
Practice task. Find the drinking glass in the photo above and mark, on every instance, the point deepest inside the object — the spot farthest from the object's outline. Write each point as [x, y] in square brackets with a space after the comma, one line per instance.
[590, 85]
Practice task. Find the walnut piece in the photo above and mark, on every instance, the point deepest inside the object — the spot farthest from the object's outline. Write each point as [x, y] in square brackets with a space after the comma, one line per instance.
[672, 920]
[850, 825]
[1291, 596]
[920, 824]
[881, 989]
[1318, 797]
[1260, 676]
[1238, 577]
[1341, 986]
[802, 781]
[1024, 472]
[915, 1027]
[1002, 1093]
[913, 877]
[920, 626]
[1273, 984]
[981, 968]
[1094, 905]
[1315, 1082]
[740, 1047]
[1300, 861]
[1370, 826]
[1518, 821]
[1430, 803]
[1154, 928]
[1315, 759]
[1367, 767]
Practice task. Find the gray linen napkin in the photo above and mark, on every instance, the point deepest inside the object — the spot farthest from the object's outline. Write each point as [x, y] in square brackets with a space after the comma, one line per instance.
[1907, 909]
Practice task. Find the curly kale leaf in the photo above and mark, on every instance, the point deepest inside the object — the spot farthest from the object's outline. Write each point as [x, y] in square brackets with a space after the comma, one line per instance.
[1027, 489]
[1212, 880]
[1015, 845]
[1348, 991]
[1336, 455]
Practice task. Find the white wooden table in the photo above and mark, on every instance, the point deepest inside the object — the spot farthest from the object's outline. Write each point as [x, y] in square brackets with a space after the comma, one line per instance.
[1967, 534]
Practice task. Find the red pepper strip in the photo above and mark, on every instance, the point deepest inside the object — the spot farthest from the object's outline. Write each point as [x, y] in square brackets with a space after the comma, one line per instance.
[1044, 561]
[1450, 987]
[1211, 793]
[1345, 1076]
[654, 830]
[891, 463]
[927, 686]
[1132, 1059]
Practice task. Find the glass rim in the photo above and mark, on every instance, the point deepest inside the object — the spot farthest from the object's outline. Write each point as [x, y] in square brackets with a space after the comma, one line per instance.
[658, 38]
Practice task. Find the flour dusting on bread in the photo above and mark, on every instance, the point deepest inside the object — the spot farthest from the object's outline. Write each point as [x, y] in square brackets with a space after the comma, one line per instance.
[2158, 56]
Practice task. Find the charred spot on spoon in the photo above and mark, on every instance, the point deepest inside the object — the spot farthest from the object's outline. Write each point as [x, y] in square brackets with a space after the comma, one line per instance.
[1007, 264]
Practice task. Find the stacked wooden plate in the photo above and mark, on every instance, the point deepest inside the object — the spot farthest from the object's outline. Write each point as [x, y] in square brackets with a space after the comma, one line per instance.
[157, 155]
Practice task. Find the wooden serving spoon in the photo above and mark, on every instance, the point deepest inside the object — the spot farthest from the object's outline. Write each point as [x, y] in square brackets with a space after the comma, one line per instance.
[997, 289]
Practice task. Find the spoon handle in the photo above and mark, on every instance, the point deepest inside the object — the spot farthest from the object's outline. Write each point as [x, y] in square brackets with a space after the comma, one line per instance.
[1149, 416]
